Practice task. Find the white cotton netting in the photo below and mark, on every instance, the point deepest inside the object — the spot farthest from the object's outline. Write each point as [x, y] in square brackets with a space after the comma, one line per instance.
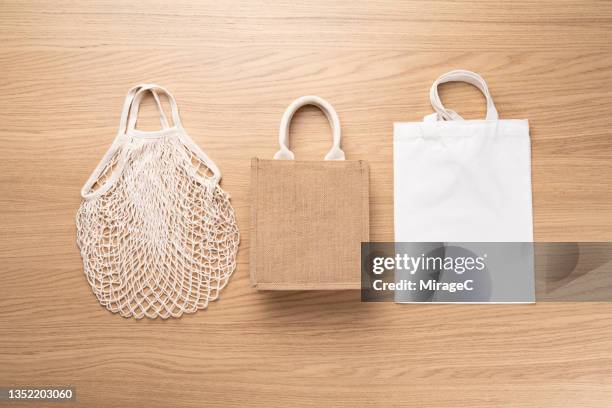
[162, 240]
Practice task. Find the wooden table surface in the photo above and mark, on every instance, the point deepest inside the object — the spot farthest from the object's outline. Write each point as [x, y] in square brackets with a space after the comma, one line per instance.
[234, 67]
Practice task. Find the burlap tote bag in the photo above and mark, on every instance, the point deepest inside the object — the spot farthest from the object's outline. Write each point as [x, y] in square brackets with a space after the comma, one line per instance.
[308, 217]
[157, 233]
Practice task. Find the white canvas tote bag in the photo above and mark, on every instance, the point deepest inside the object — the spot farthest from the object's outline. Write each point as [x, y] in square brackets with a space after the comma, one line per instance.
[157, 234]
[462, 180]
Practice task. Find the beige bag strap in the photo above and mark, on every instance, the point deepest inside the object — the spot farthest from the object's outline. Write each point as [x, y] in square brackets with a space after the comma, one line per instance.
[86, 192]
[459, 75]
[335, 153]
[127, 124]
[129, 100]
[154, 89]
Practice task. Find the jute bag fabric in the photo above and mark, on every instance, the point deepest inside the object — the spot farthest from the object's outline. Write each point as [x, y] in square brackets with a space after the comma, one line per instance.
[462, 180]
[157, 234]
[308, 218]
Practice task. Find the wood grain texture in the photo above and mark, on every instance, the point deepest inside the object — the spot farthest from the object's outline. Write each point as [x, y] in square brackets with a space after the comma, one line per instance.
[308, 220]
[234, 67]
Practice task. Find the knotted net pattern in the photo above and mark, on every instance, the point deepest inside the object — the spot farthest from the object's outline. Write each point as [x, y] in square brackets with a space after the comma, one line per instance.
[162, 240]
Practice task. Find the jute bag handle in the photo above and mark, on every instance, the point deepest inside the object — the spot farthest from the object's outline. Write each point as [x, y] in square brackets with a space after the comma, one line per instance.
[459, 75]
[335, 153]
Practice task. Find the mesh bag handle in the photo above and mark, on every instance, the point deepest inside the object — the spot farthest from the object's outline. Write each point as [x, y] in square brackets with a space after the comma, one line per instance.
[137, 99]
[127, 127]
[86, 190]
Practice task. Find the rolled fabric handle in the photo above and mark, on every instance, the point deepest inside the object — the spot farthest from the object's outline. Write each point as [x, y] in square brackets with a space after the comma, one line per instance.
[460, 75]
[335, 153]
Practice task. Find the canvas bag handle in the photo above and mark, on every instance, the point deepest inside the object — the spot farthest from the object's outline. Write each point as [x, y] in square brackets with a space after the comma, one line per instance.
[335, 153]
[459, 75]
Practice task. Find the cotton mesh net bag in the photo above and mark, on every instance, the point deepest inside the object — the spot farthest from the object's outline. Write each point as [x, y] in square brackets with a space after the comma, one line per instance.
[157, 234]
